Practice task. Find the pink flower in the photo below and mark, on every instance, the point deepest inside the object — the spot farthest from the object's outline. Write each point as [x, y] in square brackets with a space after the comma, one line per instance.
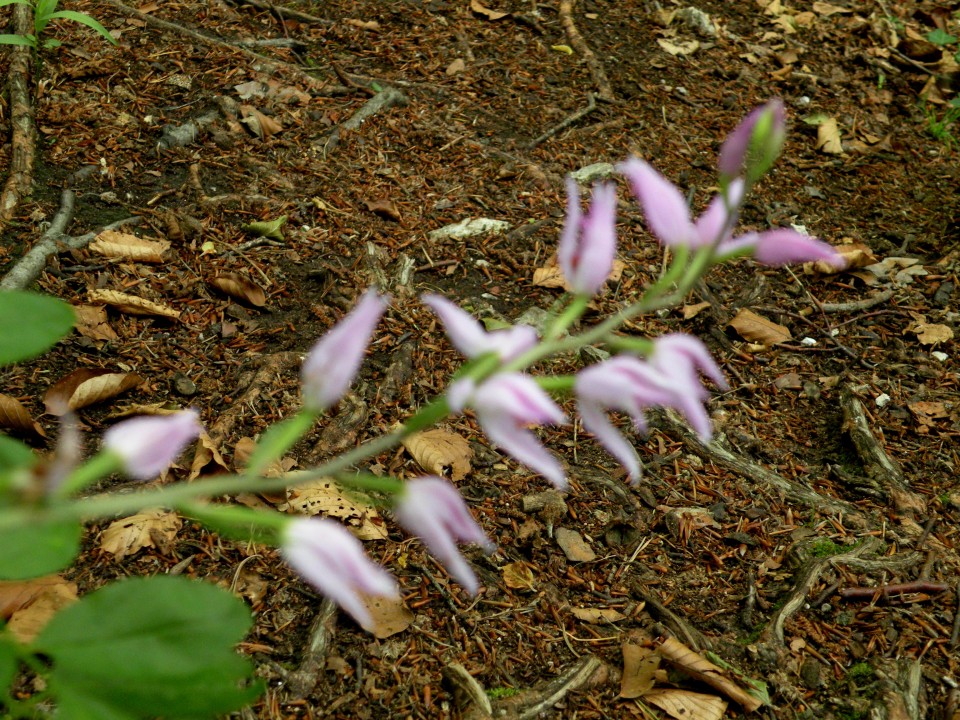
[668, 378]
[432, 509]
[469, 337]
[148, 445]
[328, 557]
[334, 360]
[669, 219]
[505, 405]
[588, 244]
[626, 384]
[755, 143]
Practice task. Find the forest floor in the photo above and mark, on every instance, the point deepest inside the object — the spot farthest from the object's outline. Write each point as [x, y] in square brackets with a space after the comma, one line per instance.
[812, 547]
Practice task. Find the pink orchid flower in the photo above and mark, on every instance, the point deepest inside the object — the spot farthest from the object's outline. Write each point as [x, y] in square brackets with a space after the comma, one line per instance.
[588, 244]
[148, 445]
[469, 337]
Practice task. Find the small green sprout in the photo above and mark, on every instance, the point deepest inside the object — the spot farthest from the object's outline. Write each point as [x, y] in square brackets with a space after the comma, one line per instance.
[43, 12]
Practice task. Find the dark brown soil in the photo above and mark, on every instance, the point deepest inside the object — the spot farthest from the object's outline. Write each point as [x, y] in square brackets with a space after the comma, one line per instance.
[467, 142]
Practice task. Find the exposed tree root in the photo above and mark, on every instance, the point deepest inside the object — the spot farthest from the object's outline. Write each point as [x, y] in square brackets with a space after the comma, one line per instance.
[604, 91]
[23, 137]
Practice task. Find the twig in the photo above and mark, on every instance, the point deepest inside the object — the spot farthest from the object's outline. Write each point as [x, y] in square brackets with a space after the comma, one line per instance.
[284, 12]
[29, 267]
[383, 100]
[566, 122]
[865, 304]
[604, 91]
[23, 134]
[886, 591]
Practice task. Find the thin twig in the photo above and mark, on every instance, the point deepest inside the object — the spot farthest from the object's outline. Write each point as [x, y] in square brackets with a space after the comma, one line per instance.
[886, 591]
[566, 122]
[604, 91]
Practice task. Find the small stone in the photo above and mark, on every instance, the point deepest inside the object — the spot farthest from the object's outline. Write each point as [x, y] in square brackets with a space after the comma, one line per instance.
[182, 385]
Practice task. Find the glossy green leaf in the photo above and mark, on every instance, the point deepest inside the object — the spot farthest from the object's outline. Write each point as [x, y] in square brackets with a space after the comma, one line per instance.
[30, 323]
[84, 19]
[149, 647]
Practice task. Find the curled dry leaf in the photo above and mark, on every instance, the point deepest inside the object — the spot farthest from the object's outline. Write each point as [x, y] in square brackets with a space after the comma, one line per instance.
[551, 276]
[114, 244]
[150, 528]
[207, 454]
[518, 576]
[691, 311]
[597, 616]
[757, 329]
[86, 386]
[257, 123]
[92, 322]
[324, 497]
[698, 667]
[441, 452]
[32, 603]
[828, 137]
[480, 9]
[14, 416]
[390, 616]
[384, 208]
[640, 666]
[131, 304]
[682, 704]
[239, 287]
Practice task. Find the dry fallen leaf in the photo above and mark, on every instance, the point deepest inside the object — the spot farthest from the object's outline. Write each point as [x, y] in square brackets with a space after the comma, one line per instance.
[597, 616]
[382, 207]
[87, 386]
[115, 244]
[131, 304]
[439, 450]
[929, 333]
[640, 667]
[551, 276]
[828, 137]
[574, 546]
[682, 48]
[518, 576]
[698, 667]
[757, 329]
[455, 68]
[92, 322]
[18, 594]
[691, 311]
[323, 496]
[150, 528]
[53, 594]
[684, 704]
[257, 123]
[480, 9]
[390, 616]
[206, 454]
[239, 287]
[14, 416]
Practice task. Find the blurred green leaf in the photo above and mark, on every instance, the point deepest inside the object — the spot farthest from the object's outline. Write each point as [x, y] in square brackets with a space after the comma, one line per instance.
[149, 647]
[38, 549]
[30, 323]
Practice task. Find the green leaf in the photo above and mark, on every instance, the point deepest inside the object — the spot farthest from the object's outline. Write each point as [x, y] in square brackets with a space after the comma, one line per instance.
[277, 439]
[4, 3]
[148, 647]
[30, 323]
[941, 37]
[267, 228]
[84, 19]
[41, 14]
[8, 664]
[15, 457]
[16, 40]
[38, 549]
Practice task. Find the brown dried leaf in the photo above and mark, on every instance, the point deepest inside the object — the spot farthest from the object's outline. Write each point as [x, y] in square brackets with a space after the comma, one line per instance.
[551, 276]
[390, 616]
[931, 333]
[518, 576]
[53, 594]
[574, 546]
[239, 287]
[640, 667]
[14, 416]
[257, 123]
[324, 496]
[698, 667]
[685, 704]
[755, 328]
[438, 451]
[150, 528]
[598, 616]
[828, 137]
[18, 594]
[383, 208]
[86, 386]
[686, 47]
[480, 9]
[92, 322]
[691, 311]
[131, 304]
[115, 244]
[207, 454]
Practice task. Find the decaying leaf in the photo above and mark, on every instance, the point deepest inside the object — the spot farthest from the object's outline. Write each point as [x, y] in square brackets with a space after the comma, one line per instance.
[207, 454]
[855, 255]
[480, 9]
[640, 665]
[86, 386]
[828, 137]
[597, 616]
[33, 603]
[115, 244]
[691, 311]
[699, 668]
[441, 452]
[239, 287]
[390, 616]
[383, 207]
[931, 333]
[131, 304]
[518, 576]
[685, 704]
[687, 47]
[260, 125]
[14, 416]
[456, 67]
[551, 276]
[757, 329]
[92, 322]
[324, 497]
[150, 528]
[574, 546]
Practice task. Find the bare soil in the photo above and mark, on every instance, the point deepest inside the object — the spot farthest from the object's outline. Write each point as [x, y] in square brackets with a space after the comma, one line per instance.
[749, 550]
